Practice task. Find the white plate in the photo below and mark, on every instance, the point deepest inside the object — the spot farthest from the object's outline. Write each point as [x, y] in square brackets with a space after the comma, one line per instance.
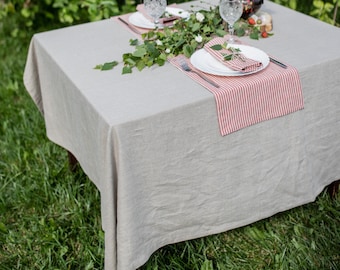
[138, 19]
[205, 62]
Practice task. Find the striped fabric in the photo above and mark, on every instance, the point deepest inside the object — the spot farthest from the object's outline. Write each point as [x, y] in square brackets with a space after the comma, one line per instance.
[243, 64]
[246, 100]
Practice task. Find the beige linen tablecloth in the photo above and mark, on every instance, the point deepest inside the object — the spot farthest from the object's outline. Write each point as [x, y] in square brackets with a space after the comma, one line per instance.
[151, 144]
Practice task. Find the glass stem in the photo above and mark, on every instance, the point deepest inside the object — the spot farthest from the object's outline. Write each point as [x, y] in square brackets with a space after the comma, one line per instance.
[231, 30]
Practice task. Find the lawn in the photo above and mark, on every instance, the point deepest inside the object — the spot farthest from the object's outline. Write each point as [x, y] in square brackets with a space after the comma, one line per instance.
[50, 217]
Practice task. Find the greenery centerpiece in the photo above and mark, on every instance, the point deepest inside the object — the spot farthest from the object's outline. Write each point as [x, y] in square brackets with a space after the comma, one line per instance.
[185, 36]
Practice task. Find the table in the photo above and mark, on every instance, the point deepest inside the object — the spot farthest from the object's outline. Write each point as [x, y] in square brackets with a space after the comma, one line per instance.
[150, 141]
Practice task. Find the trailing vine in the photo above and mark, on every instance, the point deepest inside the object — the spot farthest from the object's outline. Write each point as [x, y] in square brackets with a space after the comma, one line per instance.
[184, 37]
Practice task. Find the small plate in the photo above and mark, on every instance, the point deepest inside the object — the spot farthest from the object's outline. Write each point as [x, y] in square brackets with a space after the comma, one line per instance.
[139, 20]
[205, 62]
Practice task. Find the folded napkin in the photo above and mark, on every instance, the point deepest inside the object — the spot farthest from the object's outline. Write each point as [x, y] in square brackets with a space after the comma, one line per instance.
[239, 62]
[167, 21]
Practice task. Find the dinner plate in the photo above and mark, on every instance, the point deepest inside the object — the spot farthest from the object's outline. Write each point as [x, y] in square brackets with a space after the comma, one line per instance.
[139, 20]
[205, 62]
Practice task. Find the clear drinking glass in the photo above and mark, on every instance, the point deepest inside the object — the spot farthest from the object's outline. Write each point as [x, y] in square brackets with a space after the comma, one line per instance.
[155, 9]
[231, 11]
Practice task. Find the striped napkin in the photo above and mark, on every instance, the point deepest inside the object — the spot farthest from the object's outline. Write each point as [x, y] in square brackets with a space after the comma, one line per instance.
[239, 63]
[242, 101]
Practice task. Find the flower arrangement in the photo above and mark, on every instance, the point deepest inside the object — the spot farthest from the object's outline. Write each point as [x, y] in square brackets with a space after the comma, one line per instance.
[184, 37]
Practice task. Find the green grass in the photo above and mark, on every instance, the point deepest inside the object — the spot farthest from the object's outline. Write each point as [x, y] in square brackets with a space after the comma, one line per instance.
[50, 217]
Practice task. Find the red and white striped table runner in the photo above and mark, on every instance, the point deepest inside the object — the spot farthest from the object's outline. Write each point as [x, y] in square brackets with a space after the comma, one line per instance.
[246, 100]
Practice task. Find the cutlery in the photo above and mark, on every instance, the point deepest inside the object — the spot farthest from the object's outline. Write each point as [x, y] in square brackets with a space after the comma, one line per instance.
[277, 62]
[130, 27]
[186, 68]
[171, 19]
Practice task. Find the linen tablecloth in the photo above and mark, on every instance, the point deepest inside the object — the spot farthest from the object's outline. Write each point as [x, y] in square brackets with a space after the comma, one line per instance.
[151, 144]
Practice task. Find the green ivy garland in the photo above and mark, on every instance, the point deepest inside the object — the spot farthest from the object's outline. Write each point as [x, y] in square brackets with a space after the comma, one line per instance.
[184, 37]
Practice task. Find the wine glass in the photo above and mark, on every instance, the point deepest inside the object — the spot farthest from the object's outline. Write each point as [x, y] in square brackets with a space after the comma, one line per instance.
[155, 9]
[231, 11]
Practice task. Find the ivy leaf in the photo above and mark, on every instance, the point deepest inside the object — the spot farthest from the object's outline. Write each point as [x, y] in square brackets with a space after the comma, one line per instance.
[179, 43]
[220, 32]
[162, 57]
[227, 57]
[209, 16]
[254, 35]
[152, 50]
[133, 42]
[206, 29]
[107, 66]
[167, 31]
[140, 52]
[196, 27]
[126, 70]
[160, 62]
[217, 47]
[216, 21]
[130, 61]
[188, 50]
[240, 32]
[149, 35]
[140, 65]
[149, 62]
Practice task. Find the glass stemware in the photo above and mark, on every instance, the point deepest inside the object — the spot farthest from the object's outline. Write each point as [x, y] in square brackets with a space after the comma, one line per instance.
[231, 11]
[155, 9]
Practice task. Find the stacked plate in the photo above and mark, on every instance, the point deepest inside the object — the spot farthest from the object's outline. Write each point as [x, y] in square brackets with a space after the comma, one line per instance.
[204, 61]
[139, 20]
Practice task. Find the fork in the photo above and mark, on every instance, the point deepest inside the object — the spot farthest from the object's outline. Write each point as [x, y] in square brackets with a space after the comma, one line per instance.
[130, 26]
[186, 68]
